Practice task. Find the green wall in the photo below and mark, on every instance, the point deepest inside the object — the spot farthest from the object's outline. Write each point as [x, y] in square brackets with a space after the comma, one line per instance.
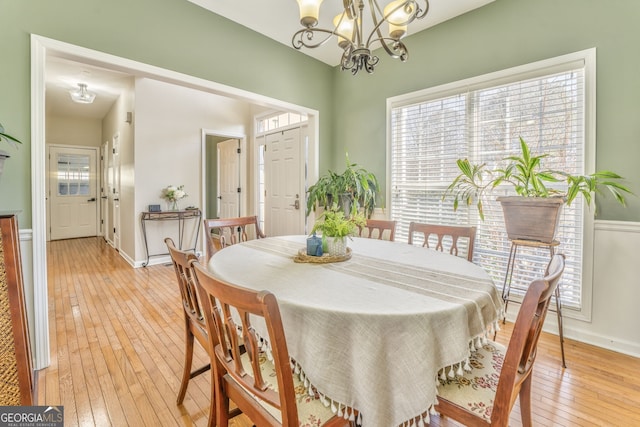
[504, 34]
[172, 34]
[184, 37]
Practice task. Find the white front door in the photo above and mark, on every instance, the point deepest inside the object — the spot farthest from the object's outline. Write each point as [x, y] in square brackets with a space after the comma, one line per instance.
[284, 184]
[73, 207]
[228, 168]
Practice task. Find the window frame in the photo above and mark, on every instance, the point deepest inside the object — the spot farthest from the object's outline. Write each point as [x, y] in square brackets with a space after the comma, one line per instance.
[586, 58]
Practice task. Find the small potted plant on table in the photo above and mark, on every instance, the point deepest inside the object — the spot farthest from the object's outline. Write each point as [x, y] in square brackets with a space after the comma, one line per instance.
[336, 228]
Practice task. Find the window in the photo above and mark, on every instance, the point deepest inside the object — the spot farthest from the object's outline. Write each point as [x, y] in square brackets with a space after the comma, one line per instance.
[73, 175]
[482, 119]
[278, 121]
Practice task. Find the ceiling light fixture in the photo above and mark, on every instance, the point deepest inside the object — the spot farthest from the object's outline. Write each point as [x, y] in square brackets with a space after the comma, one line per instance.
[348, 28]
[82, 95]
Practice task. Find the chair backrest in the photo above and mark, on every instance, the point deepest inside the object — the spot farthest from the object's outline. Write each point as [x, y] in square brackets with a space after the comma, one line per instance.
[376, 228]
[188, 291]
[523, 345]
[229, 309]
[448, 233]
[223, 232]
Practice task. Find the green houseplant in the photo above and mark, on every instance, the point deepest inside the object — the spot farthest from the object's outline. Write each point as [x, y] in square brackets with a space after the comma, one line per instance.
[336, 227]
[530, 182]
[351, 190]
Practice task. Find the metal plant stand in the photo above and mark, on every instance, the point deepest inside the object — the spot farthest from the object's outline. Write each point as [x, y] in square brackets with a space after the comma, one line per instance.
[506, 287]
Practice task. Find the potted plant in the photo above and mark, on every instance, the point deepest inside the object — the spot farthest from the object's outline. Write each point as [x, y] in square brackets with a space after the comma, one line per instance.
[10, 140]
[535, 212]
[336, 227]
[350, 190]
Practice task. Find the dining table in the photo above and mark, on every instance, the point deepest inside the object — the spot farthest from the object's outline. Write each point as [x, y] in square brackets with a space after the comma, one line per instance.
[373, 332]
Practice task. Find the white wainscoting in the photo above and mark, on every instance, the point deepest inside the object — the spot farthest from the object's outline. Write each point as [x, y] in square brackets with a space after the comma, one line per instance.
[616, 290]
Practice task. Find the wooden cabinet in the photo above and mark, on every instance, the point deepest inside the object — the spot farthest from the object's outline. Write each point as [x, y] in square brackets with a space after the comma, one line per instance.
[16, 374]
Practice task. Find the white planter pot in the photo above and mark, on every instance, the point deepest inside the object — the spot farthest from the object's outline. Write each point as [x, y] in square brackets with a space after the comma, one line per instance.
[336, 246]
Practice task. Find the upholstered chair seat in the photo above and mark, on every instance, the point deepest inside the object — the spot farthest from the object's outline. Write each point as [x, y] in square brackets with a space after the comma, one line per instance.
[476, 390]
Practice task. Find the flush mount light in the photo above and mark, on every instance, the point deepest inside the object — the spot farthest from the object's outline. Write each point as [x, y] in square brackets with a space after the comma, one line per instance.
[82, 95]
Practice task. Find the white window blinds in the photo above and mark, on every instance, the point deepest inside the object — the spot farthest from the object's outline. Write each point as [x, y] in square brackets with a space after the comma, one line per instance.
[483, 123]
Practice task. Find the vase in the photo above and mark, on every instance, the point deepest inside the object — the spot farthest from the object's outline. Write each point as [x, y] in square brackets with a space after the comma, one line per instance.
[173, 205]
[336, 246]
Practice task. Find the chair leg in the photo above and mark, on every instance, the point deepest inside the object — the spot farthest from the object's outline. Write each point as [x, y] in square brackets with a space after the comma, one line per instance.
[525, 402]
[213, 401]
[221, 399]
[188, 359]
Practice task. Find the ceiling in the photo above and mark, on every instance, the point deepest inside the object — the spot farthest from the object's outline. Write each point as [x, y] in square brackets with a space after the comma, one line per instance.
[62, 75]
[280, 19]
[276, 19]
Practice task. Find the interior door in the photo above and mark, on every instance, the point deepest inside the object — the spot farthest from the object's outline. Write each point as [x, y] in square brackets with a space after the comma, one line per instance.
[115, 191]
[228, 168]
[284, 184]
[73, 207]
[104, 191]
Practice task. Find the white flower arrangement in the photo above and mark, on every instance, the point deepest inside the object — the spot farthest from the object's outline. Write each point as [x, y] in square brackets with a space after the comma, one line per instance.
[173, 193]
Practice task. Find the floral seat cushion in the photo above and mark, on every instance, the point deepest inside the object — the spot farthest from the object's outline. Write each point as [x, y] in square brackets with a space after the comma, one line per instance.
[312, 409]
[476, 390]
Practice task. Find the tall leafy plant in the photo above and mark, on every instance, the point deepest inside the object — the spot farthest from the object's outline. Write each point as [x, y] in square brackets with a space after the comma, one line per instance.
[8, 138]
[525, 174]
[351, 190]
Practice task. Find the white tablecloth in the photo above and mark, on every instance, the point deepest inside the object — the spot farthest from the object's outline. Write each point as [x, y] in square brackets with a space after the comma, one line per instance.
[374, 332]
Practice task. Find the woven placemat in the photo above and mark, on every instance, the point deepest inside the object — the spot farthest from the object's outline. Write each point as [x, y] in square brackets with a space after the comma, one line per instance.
[324, 259]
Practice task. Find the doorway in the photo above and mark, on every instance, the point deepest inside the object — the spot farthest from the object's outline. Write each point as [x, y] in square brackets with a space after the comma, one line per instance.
[73, 197]
[224, 180]
[284, 183]
[43, 48]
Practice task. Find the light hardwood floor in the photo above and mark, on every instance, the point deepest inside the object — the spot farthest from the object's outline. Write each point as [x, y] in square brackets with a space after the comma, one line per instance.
[117, 353]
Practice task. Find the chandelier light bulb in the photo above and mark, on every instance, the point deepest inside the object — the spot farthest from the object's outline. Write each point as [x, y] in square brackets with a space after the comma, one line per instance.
[309, 12]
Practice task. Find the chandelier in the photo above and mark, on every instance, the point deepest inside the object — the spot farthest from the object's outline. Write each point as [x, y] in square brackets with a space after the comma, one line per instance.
[348, 28]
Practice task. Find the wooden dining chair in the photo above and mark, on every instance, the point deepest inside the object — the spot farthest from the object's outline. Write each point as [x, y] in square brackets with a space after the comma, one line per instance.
[222, 232]
[379, 229]
[445, 233]
[475, 399]
[195, 327]
[264, 388]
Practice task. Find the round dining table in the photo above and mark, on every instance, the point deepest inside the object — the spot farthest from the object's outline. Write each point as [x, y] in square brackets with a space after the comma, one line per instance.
[375, 331]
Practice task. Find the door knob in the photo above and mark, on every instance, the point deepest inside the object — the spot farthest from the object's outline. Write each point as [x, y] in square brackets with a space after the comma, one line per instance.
[296, 204]
[93, 199]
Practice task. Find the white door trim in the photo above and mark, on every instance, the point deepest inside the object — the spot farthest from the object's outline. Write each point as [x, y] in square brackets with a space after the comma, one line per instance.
[40, 47]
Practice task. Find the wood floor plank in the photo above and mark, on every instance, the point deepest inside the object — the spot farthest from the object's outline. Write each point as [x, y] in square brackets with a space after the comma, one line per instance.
[117, 350]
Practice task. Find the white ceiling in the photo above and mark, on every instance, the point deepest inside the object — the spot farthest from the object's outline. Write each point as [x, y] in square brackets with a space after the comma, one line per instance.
[62, 75]
[276, 19]
[280, 19]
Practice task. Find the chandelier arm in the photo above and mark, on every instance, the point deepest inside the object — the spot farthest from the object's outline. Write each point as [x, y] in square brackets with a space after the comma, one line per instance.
[395, 48]
[373, 6]
[350, 8]
[422, 12]
[298, 39]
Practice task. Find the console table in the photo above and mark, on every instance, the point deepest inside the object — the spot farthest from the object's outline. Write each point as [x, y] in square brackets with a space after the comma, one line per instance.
[181, 216]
